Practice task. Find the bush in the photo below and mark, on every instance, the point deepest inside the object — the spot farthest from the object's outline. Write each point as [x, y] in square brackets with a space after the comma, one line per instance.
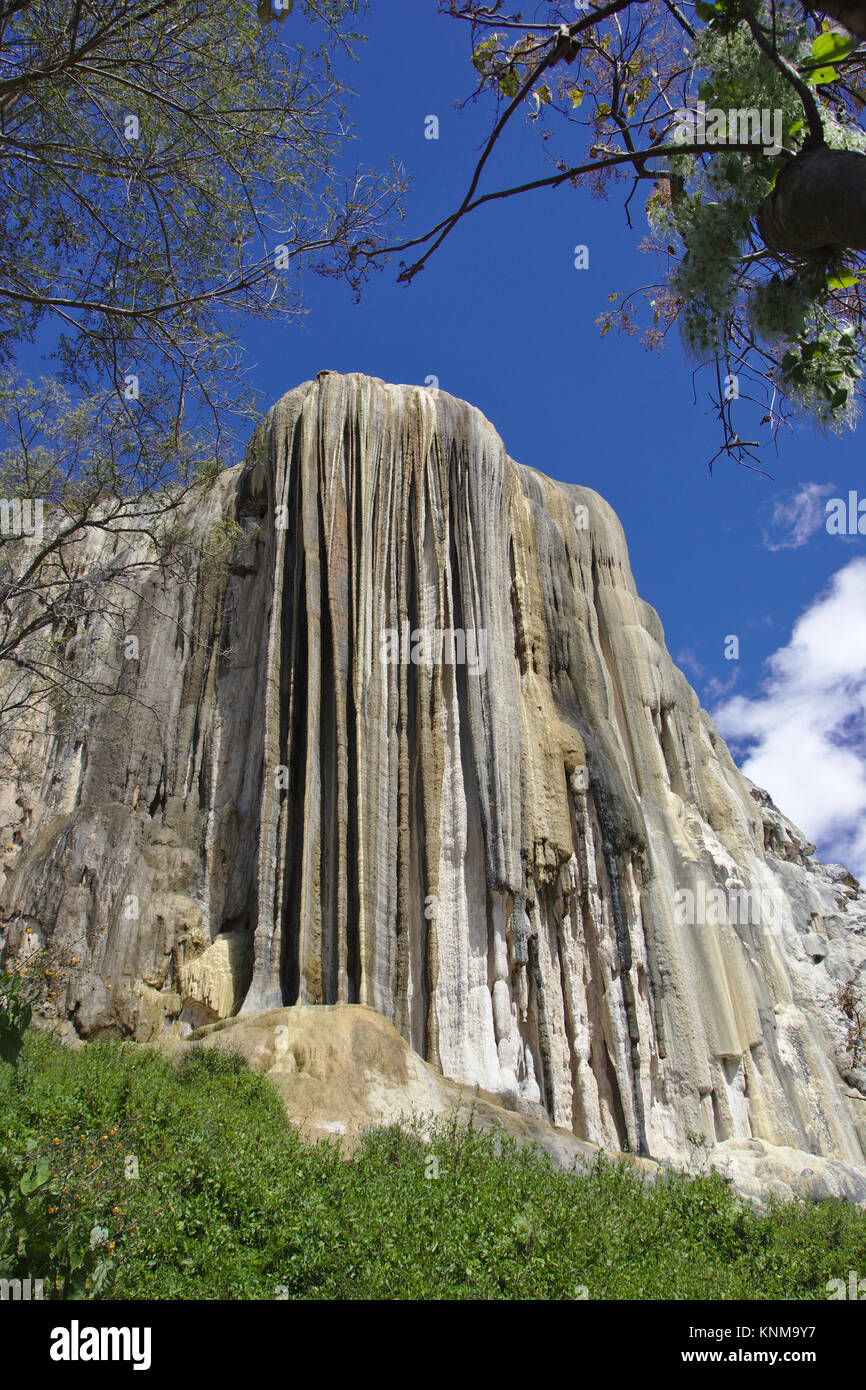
[199, 1188]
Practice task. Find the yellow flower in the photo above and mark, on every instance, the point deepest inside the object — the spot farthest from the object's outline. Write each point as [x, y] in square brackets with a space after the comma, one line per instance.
[115, 1211]
[111, 1245]
[57, 1141]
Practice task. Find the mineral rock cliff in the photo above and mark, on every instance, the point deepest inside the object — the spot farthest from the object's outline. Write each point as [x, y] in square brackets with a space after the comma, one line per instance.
[420, 746]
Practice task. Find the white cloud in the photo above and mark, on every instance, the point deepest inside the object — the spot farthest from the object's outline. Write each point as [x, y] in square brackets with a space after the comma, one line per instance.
[791, 519]
[805, 733]
[687, 660]
[715, 688]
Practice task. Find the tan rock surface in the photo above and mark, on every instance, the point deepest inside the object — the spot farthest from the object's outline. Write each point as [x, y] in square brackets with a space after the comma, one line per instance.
[492, 855]
[343, 1068]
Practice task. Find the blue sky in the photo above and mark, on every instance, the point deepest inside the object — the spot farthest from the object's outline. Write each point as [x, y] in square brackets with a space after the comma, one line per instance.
[503, 319]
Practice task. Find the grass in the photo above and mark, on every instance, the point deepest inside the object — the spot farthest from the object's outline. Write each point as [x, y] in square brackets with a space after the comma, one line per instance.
[229, 1201]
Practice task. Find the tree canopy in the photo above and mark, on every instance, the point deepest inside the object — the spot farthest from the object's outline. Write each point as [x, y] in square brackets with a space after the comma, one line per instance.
[744, 122]
[168, 168]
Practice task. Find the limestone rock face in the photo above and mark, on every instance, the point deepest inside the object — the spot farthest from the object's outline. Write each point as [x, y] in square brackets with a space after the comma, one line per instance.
[420, 747]
[343, 1068]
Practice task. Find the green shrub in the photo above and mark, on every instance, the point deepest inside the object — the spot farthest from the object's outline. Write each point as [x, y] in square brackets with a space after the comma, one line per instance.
[204, 1190]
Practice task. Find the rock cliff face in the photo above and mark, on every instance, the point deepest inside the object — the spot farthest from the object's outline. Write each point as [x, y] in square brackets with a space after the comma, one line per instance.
[420, 746]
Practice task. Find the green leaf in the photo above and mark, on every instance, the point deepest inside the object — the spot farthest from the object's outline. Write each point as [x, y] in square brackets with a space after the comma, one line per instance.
[34, 1177]
[796, 128]
[482, 55]
[100, 1277]
[833, 46]
[543, 95]
[575, 96]
[827, 49]
[509, 83]
[842, 282]
[821, 76]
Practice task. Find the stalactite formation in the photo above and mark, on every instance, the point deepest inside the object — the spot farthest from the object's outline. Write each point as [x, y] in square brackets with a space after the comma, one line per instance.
[424, 749]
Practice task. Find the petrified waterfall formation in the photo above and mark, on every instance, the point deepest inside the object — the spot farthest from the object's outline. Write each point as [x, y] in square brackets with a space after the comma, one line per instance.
[300, 799]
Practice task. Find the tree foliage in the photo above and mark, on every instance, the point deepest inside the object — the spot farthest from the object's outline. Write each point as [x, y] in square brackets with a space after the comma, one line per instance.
[168, 168]
[745, 120]
[90, 506]
[165, 167]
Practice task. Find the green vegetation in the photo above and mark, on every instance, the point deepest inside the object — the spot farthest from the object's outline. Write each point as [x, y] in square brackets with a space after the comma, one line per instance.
[746, 118]
[230, 1202]
[169, 172]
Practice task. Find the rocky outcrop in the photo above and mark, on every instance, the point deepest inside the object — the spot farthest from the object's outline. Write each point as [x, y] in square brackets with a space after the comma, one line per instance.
[342, 1069]
[419, 746]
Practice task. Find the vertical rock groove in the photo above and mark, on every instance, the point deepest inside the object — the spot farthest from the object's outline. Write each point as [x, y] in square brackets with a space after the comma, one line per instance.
[489, 851]
[488, 837]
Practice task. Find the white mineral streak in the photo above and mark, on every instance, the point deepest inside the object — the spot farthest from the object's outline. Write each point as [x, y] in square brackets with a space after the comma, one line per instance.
[488, 855]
